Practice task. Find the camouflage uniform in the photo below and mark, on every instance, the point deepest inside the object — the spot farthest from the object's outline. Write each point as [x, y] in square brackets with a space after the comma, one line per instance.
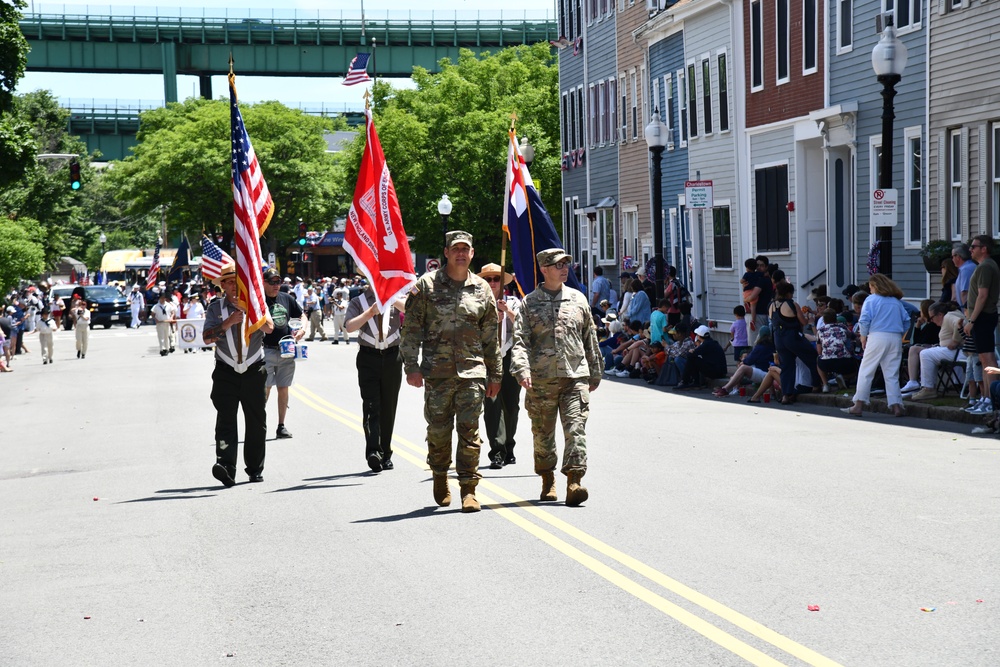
[455, 325]
[555, 344]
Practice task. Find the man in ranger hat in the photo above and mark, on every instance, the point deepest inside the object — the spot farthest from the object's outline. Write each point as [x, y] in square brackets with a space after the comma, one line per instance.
[451, 316]
[557, 360]
[237, 381]
[500, 412]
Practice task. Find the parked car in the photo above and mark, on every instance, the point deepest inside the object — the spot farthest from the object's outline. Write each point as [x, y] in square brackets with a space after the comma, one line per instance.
[106, 305]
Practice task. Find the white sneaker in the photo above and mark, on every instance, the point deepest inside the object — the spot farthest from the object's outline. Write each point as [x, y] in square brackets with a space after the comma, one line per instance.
[912, 385]
[984, 407]
[622, 373]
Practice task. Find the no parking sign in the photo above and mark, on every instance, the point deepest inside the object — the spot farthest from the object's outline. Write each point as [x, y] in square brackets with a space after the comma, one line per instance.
[432, 264]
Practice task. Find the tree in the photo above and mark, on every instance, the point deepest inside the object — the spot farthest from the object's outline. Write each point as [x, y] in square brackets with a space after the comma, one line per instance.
[449, 136]
[182, 163]
[21, 255]
[17, 152]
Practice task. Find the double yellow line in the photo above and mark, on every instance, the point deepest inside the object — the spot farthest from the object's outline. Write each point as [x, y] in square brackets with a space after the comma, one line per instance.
[417, 456]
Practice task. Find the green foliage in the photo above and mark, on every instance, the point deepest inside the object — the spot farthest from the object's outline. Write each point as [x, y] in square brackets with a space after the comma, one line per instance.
[182, 162]
[13, 50]
[449, 136]
[21, 255]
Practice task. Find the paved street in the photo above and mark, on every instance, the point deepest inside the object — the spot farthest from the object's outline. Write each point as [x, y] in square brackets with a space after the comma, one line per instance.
[712, 526]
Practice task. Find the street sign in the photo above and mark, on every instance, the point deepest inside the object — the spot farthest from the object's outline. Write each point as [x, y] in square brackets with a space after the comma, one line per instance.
[432, 264]
[270, 259]
[698, 194]
[883, 208]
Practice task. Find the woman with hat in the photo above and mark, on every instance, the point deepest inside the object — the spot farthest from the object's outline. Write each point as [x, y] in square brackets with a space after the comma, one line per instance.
[501, 411]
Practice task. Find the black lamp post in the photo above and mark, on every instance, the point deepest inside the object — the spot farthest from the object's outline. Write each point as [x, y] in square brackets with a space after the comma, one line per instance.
[888, 61]
[657, 138]
[104, 239]
[444, 208]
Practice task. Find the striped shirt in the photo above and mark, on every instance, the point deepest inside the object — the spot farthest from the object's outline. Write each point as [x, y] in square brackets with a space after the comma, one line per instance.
[230, 342]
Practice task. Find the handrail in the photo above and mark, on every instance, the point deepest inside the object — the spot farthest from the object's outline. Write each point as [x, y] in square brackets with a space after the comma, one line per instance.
[811, 280]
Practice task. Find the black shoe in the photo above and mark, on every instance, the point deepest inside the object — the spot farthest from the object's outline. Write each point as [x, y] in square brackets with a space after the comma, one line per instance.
[220, 473]
[171, 350]
[335, 342]
[387, 464]
[374, 462]
[78, 354]
[257, 478]
[163, 353]
[496, 461]
[510, 460]
[282, 432]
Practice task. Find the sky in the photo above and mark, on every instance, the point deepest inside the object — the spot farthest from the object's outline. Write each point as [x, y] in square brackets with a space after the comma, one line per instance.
[146, 90]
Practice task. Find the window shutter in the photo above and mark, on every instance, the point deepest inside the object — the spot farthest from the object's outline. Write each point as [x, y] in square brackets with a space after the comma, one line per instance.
[966, 186]
[943, 184]
[983, 173]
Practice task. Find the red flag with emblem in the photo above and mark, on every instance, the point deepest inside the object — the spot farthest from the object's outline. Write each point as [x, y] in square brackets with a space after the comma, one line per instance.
[375, 237]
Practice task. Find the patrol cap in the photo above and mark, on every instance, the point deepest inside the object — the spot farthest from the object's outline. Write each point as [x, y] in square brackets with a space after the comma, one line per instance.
[552, 256]
[451, 238]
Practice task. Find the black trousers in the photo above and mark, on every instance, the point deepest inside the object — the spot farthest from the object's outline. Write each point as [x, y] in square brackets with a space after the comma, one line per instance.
[230, 390]
[501, 412]
[380, 373]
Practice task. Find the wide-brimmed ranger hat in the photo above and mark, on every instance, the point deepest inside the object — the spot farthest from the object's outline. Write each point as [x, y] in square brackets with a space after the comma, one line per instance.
[490, 270]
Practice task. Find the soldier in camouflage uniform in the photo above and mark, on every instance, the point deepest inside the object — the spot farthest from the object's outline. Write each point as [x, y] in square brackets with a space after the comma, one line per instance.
[556, 359]
[452, 318]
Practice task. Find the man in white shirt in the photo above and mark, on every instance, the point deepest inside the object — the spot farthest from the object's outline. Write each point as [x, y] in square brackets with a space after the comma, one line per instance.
[81, 323]
[165, 315]
[341, 298]
[45, 325]
[138, 303]
[314, 313]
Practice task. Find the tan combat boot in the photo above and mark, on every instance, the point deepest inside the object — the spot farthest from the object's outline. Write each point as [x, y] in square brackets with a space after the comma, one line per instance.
[549, 486]
[575, 494]
[469, 502]
[442, 492]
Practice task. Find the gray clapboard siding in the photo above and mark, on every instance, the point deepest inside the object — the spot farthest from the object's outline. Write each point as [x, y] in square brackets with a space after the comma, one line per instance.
[666, 57]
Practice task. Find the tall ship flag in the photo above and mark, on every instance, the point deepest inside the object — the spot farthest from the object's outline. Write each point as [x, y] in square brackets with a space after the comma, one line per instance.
[527, 224]
[375, 237]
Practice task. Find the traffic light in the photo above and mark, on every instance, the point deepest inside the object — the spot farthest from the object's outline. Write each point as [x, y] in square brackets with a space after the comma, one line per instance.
[74, 175]
[302, 233]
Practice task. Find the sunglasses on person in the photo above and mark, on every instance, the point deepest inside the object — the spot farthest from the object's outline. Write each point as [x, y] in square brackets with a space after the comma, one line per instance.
[976, 245]
[492, 279]
[273, 281]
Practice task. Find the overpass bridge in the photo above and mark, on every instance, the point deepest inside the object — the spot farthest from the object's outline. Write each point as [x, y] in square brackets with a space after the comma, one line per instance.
[275, 46]
[112, 128]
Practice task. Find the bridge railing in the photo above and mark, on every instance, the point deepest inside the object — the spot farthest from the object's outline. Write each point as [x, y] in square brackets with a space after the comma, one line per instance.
[388, 32]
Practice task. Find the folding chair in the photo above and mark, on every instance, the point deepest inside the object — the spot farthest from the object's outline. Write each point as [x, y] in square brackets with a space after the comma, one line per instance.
[948, 376]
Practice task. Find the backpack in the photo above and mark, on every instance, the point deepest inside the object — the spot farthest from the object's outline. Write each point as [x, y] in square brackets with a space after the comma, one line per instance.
[680, 295]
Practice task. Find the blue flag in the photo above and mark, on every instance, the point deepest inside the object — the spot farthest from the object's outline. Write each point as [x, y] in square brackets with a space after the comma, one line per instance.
[527, 224]
[182, 260]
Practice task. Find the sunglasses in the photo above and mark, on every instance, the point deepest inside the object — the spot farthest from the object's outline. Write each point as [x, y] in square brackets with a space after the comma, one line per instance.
[492, 279]
[976, 245]
[274, 281]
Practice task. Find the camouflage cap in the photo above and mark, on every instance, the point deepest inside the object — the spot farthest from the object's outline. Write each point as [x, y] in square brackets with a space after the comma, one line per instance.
[451, 238]
[553, 256]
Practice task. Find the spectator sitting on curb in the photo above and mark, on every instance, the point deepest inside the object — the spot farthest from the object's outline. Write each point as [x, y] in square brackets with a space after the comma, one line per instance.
[833, 346]
[707, 360]
[673, 368]
[652, 363]
[753, 367]
[617, 355]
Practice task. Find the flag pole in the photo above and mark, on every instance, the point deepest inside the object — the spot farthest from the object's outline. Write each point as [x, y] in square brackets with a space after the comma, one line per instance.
[503, 235]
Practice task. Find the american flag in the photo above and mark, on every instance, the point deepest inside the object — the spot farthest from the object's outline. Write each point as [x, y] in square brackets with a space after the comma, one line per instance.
[252, 211]
[357, 71]
[154, 270]
[213, 258]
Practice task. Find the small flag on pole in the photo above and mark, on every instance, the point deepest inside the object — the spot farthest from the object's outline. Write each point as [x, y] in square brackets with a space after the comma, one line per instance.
[154, 270]
[357, 71]
[213, 258]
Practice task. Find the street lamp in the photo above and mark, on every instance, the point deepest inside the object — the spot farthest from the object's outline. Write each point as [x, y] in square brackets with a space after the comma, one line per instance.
[444, 208]
[104, 239]
[657, 136]
[888, 61]
[527, 151]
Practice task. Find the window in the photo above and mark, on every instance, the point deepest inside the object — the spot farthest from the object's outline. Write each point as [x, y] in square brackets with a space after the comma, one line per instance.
[682, 99]
[845, 26]
[612, 109]
[955, 179]
[692, 101]
[566, 131]
[630, 233]
[579, 17]
[995, 178]
[606, 235]
[723, 93]
[654, 100]
[706, 93]
[567, 224]
[635, 109]
[913, 186]
[906, 13]
[668, 117]
[571, 143]
[580, 115]
[781, 39]
[602, 112]
[623, 130]
[722, 238]
[592, 106]
[756, 46]
[810, 36]
[772, 214]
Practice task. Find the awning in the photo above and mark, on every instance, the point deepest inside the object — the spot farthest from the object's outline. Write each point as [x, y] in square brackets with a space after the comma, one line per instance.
[115, 260]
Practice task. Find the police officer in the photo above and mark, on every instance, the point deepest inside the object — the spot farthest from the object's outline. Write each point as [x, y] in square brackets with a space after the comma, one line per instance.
[238, 380]
[556, 359]
[380, 373]
[500, 413]
[451, 316]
